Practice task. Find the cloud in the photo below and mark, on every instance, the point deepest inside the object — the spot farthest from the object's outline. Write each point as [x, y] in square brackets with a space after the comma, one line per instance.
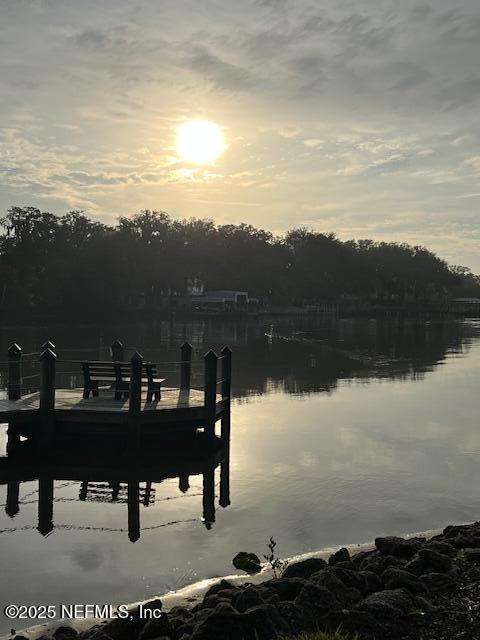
[358, 117]
[224, 76]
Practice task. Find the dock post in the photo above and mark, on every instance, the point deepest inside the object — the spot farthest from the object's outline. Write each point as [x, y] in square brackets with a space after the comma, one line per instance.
[186, 365]
[184, 482]
[135, 397]
[45, 505]
[226, 394]
[47, 345]
[116, 351]
[210, 391]
[13, 437]
[13, 492]
[224, 500]
[133, 510]
[208, 496]
[226, 372]
[14, 372]
[47, 394]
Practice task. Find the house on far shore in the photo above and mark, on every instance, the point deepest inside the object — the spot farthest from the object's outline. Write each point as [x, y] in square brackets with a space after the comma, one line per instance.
[466, 305]
[224, 300]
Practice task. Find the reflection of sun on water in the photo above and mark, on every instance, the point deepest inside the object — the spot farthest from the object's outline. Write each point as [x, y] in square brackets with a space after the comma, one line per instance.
[200, 141]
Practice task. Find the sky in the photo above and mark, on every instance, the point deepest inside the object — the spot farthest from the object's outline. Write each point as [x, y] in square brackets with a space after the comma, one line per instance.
[359, 117]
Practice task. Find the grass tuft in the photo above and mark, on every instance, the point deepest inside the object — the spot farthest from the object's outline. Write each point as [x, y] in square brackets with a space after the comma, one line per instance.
[325, 635]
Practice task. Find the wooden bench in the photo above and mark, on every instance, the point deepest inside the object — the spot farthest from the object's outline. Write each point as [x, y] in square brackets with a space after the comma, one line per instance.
[118, 374]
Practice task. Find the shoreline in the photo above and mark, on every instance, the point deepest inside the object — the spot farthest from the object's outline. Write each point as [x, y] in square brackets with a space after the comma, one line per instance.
[190, 595]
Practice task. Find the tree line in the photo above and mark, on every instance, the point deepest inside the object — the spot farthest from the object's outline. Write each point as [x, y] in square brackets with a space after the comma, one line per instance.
[72, 264]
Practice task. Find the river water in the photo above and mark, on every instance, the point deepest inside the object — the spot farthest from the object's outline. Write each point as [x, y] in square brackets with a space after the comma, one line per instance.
[341, 430]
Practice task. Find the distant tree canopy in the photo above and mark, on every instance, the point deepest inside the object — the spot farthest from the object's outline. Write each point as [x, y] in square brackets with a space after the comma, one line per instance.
[69, 263]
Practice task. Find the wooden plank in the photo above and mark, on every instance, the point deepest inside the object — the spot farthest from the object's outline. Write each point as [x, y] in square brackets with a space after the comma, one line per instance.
[172, 398]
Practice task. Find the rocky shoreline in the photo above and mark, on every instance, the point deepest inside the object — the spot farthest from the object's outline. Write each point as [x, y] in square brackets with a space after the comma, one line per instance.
[404, 588]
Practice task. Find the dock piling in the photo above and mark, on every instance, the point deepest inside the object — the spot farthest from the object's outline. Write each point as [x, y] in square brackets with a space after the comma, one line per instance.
[135, 398]
[47, 397]
[45, 505]
[210, 390]
[186, 365]
[47, 380]
[226, 372]
[117, 352]
[133, 503]
[14, 372]
[208, 496]
[47, 345]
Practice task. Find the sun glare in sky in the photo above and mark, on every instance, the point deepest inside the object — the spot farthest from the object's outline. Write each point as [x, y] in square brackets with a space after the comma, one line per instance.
[200, 141]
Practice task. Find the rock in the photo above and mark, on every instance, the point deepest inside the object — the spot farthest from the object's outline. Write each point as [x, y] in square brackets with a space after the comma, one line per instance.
[248, 562]
[64, 633]
[416, 565]
[375, 566]
[314, 601]
[286, 589]
[335, 586]
[472, 555]
[463, 541]
[152, 605]
[371, 581]
[399, 547]
[349, 578]
[179, 616]
[201, 615]
[292, 617]
[452, 531]
[249, 597]
[185, 630]
[342, 555]
[123, 629]
[433, 559]
[359, 557]
[379, 563]
[259, 623]
[156, 627]
[397, 578]
[272, 598]
[436, 582]
[225, 607]
[304, 568]
[385, 605]
[220, 586]
[442, 547]
[346, 564]
[350, 621]
[212, 602]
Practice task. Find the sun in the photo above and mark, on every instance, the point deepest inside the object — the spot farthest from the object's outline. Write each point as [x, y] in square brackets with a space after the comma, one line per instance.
[200, 141]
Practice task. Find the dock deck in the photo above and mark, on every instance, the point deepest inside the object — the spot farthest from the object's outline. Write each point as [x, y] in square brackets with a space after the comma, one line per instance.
[72, 399]
[182, 408]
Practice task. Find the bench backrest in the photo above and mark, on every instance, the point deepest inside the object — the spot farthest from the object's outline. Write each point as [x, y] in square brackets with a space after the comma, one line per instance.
[119, 370]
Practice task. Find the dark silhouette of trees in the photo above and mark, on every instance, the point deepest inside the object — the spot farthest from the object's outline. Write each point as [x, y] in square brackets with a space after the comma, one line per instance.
[71, 264]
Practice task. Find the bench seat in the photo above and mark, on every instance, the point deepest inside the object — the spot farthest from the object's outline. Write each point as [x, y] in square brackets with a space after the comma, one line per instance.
[118, 374]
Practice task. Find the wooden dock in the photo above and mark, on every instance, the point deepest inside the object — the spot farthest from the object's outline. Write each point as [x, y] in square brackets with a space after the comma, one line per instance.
[52, 411]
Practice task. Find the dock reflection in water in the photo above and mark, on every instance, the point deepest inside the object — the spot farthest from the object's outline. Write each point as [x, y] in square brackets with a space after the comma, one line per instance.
[106, 475]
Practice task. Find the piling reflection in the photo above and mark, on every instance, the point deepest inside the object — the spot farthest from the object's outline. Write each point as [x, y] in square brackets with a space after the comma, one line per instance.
[117, 477]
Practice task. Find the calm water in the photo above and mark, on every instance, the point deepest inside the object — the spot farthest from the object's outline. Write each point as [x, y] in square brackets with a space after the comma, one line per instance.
[340, 431]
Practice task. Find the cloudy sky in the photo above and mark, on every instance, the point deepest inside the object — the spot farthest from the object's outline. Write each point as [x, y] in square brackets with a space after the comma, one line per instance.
[354, 116]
